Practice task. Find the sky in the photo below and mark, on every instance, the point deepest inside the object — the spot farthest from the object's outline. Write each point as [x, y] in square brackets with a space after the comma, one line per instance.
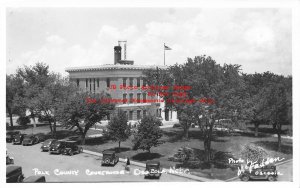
[259, 39]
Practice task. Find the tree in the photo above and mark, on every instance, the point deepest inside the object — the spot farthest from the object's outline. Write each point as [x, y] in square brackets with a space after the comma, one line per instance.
[118, 128]
[278, 100]
[77, 111]
[50, 97]
[209, 80]
[14, 90]
[35, 78]
[148, 133]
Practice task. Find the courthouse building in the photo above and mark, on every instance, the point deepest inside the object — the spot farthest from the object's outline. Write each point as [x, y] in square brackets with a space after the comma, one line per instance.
[124, 82]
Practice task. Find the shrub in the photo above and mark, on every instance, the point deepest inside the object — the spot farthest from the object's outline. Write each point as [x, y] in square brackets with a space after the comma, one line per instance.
[23, 120]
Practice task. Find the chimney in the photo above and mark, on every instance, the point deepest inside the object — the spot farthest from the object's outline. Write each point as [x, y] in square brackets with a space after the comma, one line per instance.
[118, 51]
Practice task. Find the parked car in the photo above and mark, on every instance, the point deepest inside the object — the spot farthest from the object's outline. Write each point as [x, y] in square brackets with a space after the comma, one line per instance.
[9, 160]
[153, 169]
[57, 146]
[71, 147]
[30, 140]
[14, 174]
[34, 179]
[109, 158]
[268, 172]
[46, 144]
[11, 135]
[18, 139]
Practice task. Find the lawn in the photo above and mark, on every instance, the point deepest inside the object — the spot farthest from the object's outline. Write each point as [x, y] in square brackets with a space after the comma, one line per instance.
[173, 141]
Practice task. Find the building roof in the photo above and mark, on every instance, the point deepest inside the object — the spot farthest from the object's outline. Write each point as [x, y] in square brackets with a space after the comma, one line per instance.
[113, 67]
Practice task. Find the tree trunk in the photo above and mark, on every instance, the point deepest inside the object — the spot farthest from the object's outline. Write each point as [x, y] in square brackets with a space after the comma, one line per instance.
[119, 145]
[279, 136]
[256, 129]
[54, 128]
[82, 139]
[50, 126]
[207, 142]
[11, 120]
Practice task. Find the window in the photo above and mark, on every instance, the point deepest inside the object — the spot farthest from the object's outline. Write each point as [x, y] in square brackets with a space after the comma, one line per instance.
[97, 82]
[131, 98]
[86, 83]
[138, 82]
[94, 85]
[131, 82]
[144, 82]
[126, 114]
[138, 98]
[144, 97]
[130, 115]
[124, 98]
[107, 82]
[124, 82]
[138, 114]
[77, 82]
[90, 84]
[144, 113]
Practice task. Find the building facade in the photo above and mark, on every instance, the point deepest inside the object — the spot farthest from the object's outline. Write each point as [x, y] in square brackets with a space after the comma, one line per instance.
[125, 82]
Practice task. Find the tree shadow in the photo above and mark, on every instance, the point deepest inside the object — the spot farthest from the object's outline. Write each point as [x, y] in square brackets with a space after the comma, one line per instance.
[119, 150]
[273, 146]
[178, 135]
[146, 156]
[95, 141]
[268, 130]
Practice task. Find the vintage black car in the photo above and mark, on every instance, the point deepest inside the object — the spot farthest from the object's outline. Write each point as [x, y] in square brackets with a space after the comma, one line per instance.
[71, 148]
[18, 139]
[9, 160]
[268, 172]
[153, 169]
[109, 158]
[14, 174]
[34, 179]
[11, 135]
[57, 146]
[30, 140]
[46, 144]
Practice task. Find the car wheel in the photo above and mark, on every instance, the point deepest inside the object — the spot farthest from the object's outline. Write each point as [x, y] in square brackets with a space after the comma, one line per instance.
[20, 178]
[245, 178]
[271, 178]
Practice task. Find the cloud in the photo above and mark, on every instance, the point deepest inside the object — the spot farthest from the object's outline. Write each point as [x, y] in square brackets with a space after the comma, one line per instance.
[259, 40]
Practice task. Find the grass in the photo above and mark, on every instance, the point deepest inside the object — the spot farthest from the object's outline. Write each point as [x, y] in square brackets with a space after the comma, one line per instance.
[173, 140]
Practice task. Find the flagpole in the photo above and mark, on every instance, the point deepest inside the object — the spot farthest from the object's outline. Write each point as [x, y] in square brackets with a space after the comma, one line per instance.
[164, 54]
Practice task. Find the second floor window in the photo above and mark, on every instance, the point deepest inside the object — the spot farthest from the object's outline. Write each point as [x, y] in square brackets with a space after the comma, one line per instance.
[144, 97]
[138, 82]
[98, 82]
[124, 98]
[107, 82]
[131, 98]
[124, 82]
[77, 82]
[131, 82]
[138, 100]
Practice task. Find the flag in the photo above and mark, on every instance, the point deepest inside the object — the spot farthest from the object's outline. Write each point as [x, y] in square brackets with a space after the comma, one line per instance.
[167, 48]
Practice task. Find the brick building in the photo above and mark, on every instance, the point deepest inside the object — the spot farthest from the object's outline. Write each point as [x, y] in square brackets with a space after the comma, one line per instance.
[124, 82]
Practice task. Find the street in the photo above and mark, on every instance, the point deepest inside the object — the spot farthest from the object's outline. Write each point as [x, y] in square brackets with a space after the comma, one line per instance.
[77, 168]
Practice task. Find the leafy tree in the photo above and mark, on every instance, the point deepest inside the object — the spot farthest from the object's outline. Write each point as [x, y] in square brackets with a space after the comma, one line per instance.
[76, 111]
[50, 97]
[35, 78]
[148, 133]
[118, 128]
[14, 90]
[209, 80]
[279, 106]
